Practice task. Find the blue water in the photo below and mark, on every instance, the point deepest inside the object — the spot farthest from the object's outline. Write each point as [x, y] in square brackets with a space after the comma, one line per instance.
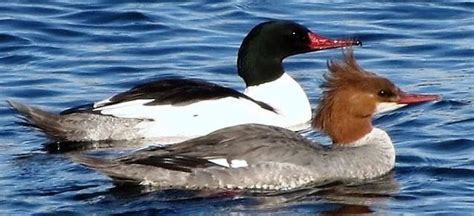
[60, 54]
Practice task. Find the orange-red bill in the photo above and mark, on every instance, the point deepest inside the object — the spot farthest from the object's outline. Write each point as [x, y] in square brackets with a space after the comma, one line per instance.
[416, 98]
[319, 42]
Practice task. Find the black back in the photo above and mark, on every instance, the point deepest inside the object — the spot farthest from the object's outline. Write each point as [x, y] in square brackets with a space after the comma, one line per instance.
[174, 91]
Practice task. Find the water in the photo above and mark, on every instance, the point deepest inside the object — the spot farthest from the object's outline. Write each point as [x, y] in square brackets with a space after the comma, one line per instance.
[60, 54]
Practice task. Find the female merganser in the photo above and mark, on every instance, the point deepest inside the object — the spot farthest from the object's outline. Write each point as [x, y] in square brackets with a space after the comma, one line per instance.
[254, 156]
[174, 110]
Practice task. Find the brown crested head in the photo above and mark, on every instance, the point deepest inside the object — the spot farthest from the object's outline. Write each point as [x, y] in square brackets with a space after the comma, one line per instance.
[350, 98]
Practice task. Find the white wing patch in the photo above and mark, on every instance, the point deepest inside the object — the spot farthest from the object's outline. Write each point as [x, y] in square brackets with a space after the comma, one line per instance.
[221, 162]
[236, 163]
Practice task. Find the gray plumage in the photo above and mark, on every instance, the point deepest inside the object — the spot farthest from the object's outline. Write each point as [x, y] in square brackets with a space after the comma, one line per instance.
[276, 159]
[78, 126]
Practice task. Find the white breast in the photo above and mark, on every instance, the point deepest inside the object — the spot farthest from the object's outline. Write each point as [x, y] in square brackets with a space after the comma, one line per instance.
[286, 96]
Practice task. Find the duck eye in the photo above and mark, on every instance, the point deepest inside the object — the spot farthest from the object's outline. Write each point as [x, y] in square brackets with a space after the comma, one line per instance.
[383, 93]
[294, 34]
[297, 35]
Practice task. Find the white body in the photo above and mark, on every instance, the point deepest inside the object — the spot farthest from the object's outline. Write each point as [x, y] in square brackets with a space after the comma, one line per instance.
[175, 123]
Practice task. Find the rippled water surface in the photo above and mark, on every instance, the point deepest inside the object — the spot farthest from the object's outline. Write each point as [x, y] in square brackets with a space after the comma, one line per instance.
[59, 54]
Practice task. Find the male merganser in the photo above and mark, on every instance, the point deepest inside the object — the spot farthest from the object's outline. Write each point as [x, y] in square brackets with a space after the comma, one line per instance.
[178, 109]
[254, 156]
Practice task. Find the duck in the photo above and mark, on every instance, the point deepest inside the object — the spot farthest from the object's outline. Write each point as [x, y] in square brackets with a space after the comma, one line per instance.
[265, 157]
[176, 109]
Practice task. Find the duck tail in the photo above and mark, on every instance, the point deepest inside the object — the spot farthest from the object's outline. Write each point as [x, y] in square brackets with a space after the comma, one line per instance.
[119, 172]
[106, 166]
[92, 162]
[48, 123]
[123, 172]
